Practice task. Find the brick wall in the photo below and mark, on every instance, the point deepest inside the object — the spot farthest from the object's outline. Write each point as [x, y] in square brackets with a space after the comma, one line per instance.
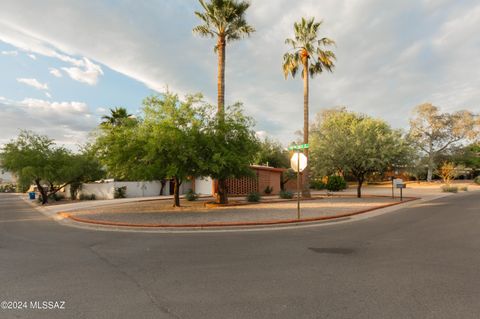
[246, 185]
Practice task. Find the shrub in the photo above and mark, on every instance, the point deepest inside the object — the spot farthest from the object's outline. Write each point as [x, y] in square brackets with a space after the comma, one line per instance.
[56, 197]
[317, 184]
[52, 197]
[286, 195]
[268, 190]
[8, 188]
[87, 196]
[253, 197]
[477, 180]
[464, 188]
[336, 183]
[449, 189]
[120, 192]
[191, 195]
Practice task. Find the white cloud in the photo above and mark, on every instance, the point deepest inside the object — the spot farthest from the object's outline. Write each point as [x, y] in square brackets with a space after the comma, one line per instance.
[391, 55]
[34, 83]
[101, 110]
[48, 95]
[32, 56]
[10, 53]
[58, 107]
[89, 72]
[68, 122]
[83, 70]
[55, 72]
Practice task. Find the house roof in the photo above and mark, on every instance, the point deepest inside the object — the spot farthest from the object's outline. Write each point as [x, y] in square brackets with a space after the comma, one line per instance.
[267, 168]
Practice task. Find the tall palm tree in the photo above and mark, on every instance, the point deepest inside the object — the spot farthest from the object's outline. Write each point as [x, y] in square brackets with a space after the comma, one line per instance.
[224, 20]
[117, 117]
[307, 52]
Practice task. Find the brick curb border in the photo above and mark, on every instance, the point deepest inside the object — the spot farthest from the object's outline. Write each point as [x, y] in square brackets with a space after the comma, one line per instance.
[233, 224]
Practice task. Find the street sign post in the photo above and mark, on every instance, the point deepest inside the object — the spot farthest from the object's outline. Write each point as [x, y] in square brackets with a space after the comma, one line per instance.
[298, 162]
[298, 147]
[397, 183]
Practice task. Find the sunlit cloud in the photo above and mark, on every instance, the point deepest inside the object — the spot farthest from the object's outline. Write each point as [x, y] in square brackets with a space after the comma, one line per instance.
[33, 83]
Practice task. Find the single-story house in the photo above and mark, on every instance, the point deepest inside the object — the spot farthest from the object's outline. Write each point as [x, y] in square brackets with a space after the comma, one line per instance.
[264, 177]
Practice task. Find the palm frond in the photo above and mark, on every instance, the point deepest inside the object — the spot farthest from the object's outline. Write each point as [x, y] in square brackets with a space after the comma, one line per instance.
[306, 40]
[224, 18]
[291, 61]
[204, 31]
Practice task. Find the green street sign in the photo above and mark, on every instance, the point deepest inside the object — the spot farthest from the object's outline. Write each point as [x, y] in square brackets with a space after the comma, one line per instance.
[298, 147]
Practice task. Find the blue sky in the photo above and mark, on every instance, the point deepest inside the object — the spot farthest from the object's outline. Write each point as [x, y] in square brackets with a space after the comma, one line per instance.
[63, 63]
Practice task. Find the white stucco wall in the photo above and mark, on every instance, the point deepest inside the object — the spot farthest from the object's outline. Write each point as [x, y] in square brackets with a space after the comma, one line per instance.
[100, 190]
[134, 189]
[143, 189]
[203, 185]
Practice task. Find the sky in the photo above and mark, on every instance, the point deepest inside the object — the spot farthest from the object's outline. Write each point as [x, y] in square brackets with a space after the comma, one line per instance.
[63, 64]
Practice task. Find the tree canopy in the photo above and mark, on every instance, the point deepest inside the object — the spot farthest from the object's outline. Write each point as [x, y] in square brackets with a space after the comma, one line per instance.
[231, 147]
[308, 51]
[434, 132]
[36, 159]
[272, 153]
[118, 116]
[355, 144]
[173, 142]
[224, 19]
[179, 139]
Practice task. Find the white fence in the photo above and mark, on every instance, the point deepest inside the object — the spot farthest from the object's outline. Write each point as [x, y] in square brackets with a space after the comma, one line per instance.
[133, 189]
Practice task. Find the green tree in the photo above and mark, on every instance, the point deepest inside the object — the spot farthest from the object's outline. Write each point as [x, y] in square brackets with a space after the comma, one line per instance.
[225, 21]
[118, 116]
[355, 144]
[36, 159]
[272, 153]
[308, 53]
[120, 149]
[468, 156]
[231, 145]
[434, 132]
[174, 140]
[166, 142]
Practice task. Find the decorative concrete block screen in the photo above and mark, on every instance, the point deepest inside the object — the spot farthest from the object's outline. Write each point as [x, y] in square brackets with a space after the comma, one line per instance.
[242, 186]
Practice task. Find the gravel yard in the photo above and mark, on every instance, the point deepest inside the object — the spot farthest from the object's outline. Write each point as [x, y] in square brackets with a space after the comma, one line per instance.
[162, 212]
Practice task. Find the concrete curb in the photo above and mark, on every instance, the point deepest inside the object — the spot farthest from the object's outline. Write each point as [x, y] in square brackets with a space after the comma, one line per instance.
[64, 215]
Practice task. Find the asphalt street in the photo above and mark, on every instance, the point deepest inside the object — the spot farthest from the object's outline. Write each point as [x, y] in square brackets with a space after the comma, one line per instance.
[418, 262]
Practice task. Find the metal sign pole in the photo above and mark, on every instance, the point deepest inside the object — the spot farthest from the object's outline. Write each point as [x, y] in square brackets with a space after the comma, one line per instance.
[297, 148]
[298, 184]
[393, 188]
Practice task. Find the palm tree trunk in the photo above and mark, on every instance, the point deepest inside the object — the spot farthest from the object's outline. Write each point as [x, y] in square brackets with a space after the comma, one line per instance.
[222, 197]
[221, 46]
[306, 172]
